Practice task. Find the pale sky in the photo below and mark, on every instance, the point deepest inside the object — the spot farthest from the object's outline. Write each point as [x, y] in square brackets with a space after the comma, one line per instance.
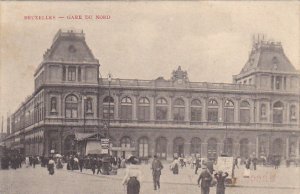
[144, 40]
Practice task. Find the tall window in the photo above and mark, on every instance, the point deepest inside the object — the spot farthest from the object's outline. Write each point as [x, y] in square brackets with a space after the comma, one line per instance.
[178, 147]
[228, 146]
[212, 110]
[143, 147]
[245, 112]
[196, 110]
[212, 147]
[293, 116]
[244, 148]
[144, 109]
[126, 108]
[278, 112]
[125, 142]
[71, 106]
[178, 110]
[71, 73]
[278, 82]
[64, 73]
[108, 107]
[161, 147]
[53, 104]
[161, 109]
[228, 111]
[263, 112]
[196, 146]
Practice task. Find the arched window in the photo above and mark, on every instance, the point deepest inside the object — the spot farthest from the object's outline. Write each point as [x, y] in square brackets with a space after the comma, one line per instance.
[244, 148]
[196, 109]
[108, 107]
[212, 147]
[278, 112]
[161, 109]
[144, 109]
[228, 146]
[125, 142]
[161, 148]
[245, 112]
[196, 146]
[228, 111]
[293, 116]
[126, 108]
[53, 105]
[263, 112]
[143, 147]
[178, 112]
[178, 147]
[212, 110]
[71, 73]
[71, 106]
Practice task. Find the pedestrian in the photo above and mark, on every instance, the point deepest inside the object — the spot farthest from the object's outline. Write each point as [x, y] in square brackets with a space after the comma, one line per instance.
[175, 166]
[99, 165]
[133, 176]
[254, 162]
[156, 172]
[51, 166]
[205, 178]
[27, 161]
[197, 164]
[93, 164]
[81, 162]
[221, 182]
[236, 163]
[34, 161]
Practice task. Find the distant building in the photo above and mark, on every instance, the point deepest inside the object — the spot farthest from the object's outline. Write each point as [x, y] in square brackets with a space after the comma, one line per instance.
[70, 108]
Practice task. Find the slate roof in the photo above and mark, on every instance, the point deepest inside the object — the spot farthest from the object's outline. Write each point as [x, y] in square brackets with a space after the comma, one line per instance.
[69, 46]
[268, 56]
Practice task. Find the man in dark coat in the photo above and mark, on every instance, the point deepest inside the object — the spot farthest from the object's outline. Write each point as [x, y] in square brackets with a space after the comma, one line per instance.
[221, 182]
[93, 164]
[81, 162]
[156, 172]
[205, 178]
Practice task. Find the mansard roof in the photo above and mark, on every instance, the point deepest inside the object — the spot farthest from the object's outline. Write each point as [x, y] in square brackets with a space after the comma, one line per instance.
[268, 56]
[70, 46]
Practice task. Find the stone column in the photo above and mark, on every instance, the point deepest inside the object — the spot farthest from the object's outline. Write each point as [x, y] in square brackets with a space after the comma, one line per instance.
[297, 147]
[67, 72]
[237, 110]
[76, 74]
[257, 147]
[204, 110]
[187, 109]
[170, 104]
[134, 107]
[221, 110]
[236, 148]
[117, 104]
[270, 119]
[204, 150]
[169, 150]
[152, 108]
[287, 148]
[187, 148]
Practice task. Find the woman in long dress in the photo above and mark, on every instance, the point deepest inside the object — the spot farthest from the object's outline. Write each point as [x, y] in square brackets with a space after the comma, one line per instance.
[133, 176]
[175, 166]
[51, 164]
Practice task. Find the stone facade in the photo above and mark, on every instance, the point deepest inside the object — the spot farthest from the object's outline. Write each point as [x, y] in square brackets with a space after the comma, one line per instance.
[256, 115]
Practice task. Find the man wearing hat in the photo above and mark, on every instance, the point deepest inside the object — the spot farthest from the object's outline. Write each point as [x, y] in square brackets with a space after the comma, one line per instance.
[156, 171]
[205, 178]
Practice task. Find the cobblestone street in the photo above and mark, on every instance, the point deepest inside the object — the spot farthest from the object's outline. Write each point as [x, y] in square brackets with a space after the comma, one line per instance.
[37, 181]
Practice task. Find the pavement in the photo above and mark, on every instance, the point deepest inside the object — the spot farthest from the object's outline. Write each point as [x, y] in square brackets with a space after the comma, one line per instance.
[265, 180]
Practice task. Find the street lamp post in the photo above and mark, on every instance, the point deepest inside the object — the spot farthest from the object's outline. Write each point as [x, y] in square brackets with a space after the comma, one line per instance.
[109, 82]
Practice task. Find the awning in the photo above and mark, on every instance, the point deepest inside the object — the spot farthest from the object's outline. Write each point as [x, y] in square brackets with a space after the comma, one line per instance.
[84, 136]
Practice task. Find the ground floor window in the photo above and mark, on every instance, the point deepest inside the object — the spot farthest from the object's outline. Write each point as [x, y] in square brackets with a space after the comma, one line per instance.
[161, 147]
